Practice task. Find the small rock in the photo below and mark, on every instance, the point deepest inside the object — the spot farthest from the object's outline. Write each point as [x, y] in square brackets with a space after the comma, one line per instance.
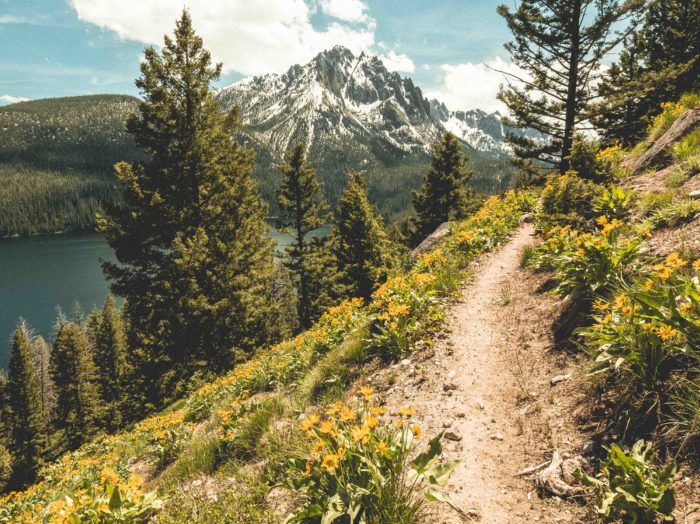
[450, 386]
[453, 436]
[497, 436]
[694, 194]
[559, 378]
[406, 362]
[588, 447]
[461, 414]
[480, 405]
[446, 424]
[526, 218]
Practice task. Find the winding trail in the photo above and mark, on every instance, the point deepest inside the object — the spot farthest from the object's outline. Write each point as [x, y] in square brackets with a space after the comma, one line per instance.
[486, 385]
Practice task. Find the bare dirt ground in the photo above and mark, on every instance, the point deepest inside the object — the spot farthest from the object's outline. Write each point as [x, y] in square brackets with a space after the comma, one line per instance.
[488, 385]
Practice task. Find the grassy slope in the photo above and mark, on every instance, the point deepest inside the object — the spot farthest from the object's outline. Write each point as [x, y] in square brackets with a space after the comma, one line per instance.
[233, 438]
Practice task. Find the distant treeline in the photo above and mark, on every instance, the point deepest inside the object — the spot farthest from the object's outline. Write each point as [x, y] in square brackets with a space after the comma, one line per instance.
[35, 201]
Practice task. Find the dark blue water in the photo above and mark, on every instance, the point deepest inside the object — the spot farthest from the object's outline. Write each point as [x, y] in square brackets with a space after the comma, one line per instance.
[39, 274]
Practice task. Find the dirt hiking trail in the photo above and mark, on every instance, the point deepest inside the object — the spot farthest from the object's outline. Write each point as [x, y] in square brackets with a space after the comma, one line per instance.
[488, 385]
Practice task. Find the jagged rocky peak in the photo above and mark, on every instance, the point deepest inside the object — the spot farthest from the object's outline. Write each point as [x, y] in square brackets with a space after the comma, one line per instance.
[337, 94]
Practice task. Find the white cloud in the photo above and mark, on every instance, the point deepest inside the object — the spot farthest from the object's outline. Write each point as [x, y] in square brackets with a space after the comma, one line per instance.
[346, 10]
[249, 36]
[6, 100]
[397, 62]
[469, 86]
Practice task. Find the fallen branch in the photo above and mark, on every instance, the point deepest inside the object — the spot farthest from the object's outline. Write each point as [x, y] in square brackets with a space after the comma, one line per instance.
[531, 470]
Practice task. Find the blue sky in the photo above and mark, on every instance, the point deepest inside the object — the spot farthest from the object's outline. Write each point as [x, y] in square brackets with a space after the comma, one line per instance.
[73, 47]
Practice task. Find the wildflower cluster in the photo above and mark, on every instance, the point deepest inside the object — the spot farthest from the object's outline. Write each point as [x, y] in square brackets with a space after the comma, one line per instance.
[82, 489]
[648, 334]
[359, 456]
[587, 263]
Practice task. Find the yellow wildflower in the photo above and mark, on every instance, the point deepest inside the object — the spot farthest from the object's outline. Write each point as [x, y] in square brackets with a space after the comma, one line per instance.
[666, 332]
[696, 264]
[686, 307]
[416, 431]
[330, 463]
[406, 412]
[377, 410]
[360, 434]
[346, 414]
[366, 392]
[675, 261]
[371, 422]
[309, 422]
[648, 284]
[601, 305]
[328, 428]
[319, 446]
[334, 409]
[382, 448]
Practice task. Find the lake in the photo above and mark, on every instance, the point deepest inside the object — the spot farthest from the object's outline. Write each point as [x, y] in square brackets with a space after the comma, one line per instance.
[39, 274]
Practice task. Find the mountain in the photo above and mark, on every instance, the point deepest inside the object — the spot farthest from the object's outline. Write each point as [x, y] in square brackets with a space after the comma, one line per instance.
[353, 113]
[58, 154]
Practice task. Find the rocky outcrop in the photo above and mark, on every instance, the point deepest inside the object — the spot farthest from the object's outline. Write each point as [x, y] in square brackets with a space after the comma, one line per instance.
[685, 123]
[432, 240]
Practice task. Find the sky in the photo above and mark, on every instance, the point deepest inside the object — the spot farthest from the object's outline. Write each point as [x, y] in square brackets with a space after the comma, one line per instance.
[51, 48]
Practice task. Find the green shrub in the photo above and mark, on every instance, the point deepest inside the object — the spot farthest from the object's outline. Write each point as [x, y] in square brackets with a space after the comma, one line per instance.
[673, 214]
[585, 159]
[687, 147]
[614, 202]
[650, 202]
[630, 488]
[567, 200]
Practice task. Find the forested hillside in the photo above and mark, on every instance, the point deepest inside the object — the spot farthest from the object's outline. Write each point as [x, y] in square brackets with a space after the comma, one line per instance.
[57, 161]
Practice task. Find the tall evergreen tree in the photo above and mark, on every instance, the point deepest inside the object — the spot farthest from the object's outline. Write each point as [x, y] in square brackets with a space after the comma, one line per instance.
[194, 248]
[73, 373]
[24, 398]
[559, 44]
[109, 355]
[302, 211]
[360, 246]
[41, 358]
[445, 193]
[658, 63]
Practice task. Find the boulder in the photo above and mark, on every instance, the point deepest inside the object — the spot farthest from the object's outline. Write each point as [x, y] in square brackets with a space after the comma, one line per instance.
[432, 240]
[683, 125]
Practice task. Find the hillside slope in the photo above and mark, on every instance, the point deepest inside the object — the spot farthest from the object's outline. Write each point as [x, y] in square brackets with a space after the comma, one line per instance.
[56, 161]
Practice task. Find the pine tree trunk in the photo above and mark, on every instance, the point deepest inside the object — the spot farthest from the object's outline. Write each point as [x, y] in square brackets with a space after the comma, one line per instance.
[571, 88]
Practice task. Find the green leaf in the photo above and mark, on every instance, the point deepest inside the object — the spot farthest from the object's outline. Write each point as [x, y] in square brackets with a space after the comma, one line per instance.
[115, 501]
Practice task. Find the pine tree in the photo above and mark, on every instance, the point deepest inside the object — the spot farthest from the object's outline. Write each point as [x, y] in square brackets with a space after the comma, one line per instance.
[24, 399]
[41, 357]
[109, 355]
[445, 193]
[73, 374]
[360, 247]
[620, 113]
[659, 62]
[301, 212]
[559, 44]
[196, 257]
